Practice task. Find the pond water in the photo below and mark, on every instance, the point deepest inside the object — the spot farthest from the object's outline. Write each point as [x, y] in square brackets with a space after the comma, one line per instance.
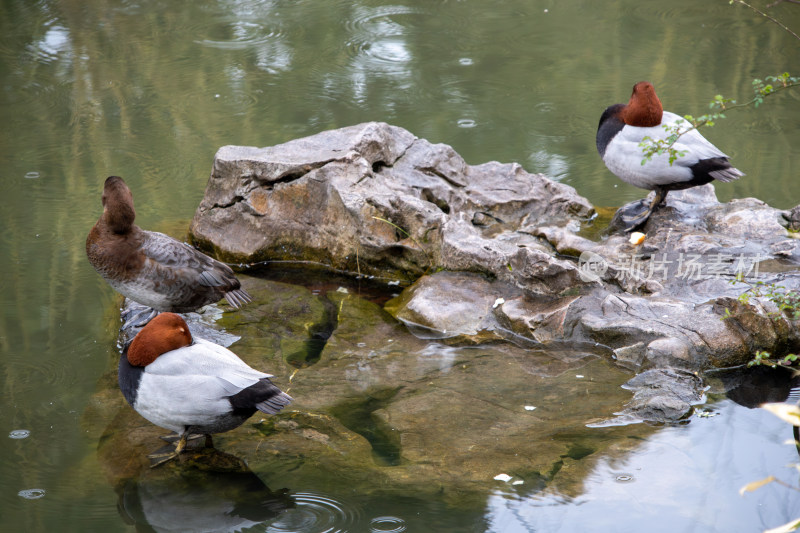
[150, 90]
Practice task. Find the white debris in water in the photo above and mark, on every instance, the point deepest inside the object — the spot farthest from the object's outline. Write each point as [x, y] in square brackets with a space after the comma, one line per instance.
[530, 407]
[343, 290]
[499, 301]
[703, 413]
[396, 282]
[579, 376]
[502, 477]
[518, 482]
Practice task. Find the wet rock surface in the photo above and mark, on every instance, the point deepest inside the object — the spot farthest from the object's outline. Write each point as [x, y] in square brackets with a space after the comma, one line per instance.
[498, 253]
[380, 409]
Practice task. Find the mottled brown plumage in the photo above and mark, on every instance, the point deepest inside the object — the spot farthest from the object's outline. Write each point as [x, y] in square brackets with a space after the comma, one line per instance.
[152, 268]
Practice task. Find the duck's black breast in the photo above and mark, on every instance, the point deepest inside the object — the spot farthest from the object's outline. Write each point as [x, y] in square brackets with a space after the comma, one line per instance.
[610, 124]
[129, 377]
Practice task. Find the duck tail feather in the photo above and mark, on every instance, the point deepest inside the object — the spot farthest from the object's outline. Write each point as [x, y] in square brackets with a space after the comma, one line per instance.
[274, 404]
[237, 298]
[726, 174]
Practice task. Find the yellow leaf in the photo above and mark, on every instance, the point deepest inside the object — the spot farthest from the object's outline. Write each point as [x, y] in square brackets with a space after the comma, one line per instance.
[784, 411]
[794, 525]
[755, 485]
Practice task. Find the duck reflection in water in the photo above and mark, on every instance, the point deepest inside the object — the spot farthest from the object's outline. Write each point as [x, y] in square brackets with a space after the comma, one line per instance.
[199, 499]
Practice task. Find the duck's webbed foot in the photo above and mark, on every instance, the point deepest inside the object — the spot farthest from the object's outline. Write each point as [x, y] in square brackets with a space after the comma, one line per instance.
[137, 317]
[175, 437]
[168, 453]
[635, 222]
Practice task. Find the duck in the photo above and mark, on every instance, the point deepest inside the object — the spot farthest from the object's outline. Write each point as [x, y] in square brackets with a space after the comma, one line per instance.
[623, 126]
[151, 268]
[190, 385]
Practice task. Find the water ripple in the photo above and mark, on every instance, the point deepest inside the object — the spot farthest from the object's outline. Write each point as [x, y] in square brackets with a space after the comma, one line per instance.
[378, 21]
[55, 42]
[387, 524]
[317, 513]
[240, 35]
[57, 372]
[624, 478]
[378, 37]
[31, 494]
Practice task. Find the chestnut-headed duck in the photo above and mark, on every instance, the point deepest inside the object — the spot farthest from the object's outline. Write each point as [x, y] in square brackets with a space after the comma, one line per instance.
[152, 268]
[191, 385]
[623, 126]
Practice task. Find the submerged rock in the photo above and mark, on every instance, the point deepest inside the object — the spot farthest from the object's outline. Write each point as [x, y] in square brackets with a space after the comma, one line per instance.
[379, 409]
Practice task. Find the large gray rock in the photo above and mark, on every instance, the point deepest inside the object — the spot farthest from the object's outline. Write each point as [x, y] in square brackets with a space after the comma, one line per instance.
[373, 199]
[495, 253]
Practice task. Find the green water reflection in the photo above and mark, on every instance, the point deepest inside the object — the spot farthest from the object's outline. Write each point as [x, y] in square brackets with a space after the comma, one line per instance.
[149, 90]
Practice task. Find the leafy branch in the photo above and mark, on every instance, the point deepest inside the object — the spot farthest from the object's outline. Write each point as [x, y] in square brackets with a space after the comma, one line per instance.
[787, 300]
[761, 89]
[652, 147]
[788, 303]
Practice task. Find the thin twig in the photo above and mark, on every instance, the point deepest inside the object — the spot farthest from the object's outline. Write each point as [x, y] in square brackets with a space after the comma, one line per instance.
[773, 4]
[650, 151]
[768, 17]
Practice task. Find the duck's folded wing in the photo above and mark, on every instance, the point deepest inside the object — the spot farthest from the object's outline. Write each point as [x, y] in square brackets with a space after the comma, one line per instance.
[185, 383]
[204, 358]
[692, 143]
[182, 400]
[192, 382]
[169, 253]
